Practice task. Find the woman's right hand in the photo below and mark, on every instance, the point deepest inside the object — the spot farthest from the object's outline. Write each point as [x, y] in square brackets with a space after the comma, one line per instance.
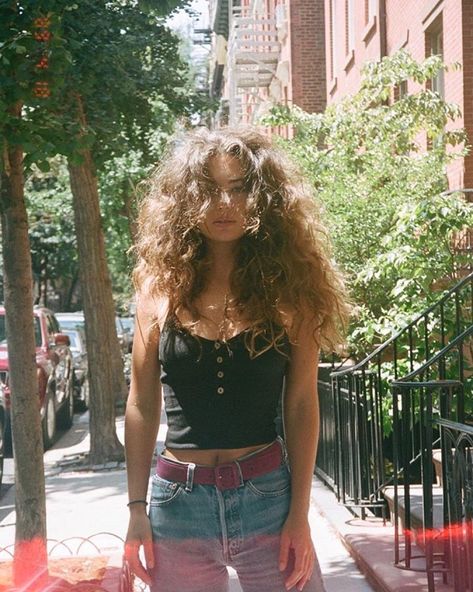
[139, 535]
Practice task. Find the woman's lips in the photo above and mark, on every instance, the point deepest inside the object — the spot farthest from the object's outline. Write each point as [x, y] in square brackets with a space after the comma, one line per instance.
[224, 222]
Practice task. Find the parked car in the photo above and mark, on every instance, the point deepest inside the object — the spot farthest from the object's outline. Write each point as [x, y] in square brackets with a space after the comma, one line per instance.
[76, 320]
[54, 371]
[123, 335]
[71, 320]
[79, 360]
[129, 325]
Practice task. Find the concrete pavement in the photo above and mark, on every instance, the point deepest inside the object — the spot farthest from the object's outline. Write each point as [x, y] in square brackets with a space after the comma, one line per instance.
[82, 503]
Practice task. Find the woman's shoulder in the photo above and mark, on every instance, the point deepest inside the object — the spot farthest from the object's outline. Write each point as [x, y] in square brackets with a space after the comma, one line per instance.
[152, 306]
[296, 322]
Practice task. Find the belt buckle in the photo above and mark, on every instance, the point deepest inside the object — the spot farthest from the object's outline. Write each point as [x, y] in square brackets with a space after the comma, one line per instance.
[227, 476]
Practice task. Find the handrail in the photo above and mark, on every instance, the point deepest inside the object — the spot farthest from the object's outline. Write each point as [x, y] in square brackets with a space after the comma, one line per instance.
[410, 325]
[454, 425]
[435, 415]
[356, 444]
[435, 358]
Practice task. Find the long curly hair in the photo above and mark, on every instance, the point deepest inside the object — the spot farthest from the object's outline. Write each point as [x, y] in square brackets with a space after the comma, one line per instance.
[283, 260]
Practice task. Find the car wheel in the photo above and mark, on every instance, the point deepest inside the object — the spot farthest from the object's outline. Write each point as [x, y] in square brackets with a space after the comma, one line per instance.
[2, 440]
[49, 421]
[66, 413]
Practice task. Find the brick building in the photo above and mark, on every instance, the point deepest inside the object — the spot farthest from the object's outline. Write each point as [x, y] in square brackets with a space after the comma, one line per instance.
[362, 30]
[266, 52]
[310, 53]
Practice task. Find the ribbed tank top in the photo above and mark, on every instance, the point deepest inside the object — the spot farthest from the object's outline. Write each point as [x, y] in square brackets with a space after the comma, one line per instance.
[215, 395]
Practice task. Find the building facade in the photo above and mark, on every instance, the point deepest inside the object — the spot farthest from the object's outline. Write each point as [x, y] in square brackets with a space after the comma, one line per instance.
[265, 52]
[363, 30]
[310, 53]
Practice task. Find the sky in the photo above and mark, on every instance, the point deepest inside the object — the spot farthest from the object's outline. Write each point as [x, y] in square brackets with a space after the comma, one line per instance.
[181, 20]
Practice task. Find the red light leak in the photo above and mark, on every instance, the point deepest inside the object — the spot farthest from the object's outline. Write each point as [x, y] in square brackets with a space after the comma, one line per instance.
[461, 532]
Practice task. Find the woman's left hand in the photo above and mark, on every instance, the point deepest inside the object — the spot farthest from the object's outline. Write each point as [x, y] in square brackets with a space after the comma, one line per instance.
[296, 539]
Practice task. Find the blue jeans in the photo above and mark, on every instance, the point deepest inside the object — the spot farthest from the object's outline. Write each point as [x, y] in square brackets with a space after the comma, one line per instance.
[199, 530]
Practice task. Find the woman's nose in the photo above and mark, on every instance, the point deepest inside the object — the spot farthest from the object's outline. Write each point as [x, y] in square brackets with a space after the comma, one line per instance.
[224, 198]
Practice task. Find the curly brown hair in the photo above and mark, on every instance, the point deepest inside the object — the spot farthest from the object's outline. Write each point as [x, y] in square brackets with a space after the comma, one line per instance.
[283, 260]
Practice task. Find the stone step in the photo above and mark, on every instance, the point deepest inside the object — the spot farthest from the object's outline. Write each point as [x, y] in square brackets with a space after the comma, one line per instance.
[417, 518]
[371, 544]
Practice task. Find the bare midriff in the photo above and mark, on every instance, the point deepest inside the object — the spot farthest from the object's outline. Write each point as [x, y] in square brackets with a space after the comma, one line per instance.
[211, 457]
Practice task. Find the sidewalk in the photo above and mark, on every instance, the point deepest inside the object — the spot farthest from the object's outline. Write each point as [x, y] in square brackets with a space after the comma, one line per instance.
[83, 503]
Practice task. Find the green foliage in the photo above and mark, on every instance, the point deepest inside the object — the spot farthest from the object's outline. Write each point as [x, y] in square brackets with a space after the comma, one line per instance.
[51, 228]
[382, 191]
[118, 181]
[123, 63]
[119, 58]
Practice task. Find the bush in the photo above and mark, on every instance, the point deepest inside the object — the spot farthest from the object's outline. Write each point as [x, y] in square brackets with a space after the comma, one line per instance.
[378, 163]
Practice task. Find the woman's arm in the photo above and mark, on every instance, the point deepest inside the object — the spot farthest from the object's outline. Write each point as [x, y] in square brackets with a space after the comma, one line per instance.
[142, 418]
[301, 422]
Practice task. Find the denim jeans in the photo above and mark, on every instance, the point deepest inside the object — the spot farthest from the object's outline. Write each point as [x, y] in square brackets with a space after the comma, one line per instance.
[199, 530]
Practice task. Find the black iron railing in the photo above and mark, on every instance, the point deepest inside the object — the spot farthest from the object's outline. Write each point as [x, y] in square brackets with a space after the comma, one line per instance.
[457, 469]
[356, 441]
[430, 414]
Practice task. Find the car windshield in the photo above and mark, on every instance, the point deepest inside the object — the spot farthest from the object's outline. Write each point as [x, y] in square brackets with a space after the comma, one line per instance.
[71, 323]
[3, 331]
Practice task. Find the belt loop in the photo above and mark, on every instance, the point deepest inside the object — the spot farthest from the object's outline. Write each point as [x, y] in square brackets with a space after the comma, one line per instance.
[240, 474]
[190, 476]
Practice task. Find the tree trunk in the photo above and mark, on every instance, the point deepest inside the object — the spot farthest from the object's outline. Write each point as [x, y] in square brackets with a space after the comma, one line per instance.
[68, 294]
[107, 381]
[30, 535]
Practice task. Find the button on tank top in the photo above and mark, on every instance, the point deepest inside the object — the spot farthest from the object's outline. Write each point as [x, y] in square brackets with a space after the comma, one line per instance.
[215, 395]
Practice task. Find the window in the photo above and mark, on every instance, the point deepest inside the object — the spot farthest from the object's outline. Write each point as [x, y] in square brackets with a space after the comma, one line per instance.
[403, 89]
[333, 30]
[371, 10]
[436, 48]
[349, 26]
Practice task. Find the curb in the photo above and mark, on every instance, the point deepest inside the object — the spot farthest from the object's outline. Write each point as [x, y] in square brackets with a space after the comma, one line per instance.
[371, 544]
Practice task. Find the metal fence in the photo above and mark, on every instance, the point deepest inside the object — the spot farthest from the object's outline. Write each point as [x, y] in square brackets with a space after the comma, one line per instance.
[429, 415]
[356, 442]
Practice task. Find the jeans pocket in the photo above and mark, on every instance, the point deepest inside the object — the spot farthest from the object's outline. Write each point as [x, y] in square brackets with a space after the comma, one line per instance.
[164, 492]
[275, 483]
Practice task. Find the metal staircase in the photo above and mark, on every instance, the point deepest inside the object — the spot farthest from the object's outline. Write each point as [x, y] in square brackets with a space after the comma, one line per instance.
[382, 419]
[253, 55]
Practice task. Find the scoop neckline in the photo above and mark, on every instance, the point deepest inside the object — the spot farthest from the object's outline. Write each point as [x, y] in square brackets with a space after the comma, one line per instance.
[239, 334]
[221, 340]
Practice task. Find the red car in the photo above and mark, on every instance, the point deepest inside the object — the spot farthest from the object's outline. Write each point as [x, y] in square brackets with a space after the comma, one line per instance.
[55, 375]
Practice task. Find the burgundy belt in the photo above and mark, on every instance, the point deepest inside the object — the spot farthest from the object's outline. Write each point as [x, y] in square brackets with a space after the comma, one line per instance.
[226, 475]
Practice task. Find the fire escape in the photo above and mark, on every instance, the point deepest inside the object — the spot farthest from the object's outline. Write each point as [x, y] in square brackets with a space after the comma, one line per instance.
[254, 49]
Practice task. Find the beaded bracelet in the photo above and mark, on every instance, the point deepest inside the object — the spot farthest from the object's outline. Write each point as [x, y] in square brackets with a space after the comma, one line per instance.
[137, 501]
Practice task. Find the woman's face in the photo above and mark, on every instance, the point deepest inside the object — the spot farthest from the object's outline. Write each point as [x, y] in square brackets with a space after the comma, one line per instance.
[226, 216]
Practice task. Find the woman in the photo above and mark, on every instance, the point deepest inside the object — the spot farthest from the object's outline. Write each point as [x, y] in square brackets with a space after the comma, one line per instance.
[235, 296]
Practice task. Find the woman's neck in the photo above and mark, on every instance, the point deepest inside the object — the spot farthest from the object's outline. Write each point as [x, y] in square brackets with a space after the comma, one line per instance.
[222, 258]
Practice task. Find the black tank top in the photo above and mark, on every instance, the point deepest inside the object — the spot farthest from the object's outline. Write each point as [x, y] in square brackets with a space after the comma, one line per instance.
[215, 395]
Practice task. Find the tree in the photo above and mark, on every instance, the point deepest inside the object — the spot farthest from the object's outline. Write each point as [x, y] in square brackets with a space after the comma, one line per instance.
[378, 162]
[35, 56]
[20, 56]
[52, 240]
[112, 113]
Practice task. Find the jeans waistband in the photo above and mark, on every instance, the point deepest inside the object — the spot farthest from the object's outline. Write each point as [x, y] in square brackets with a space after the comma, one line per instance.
[226, 475]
